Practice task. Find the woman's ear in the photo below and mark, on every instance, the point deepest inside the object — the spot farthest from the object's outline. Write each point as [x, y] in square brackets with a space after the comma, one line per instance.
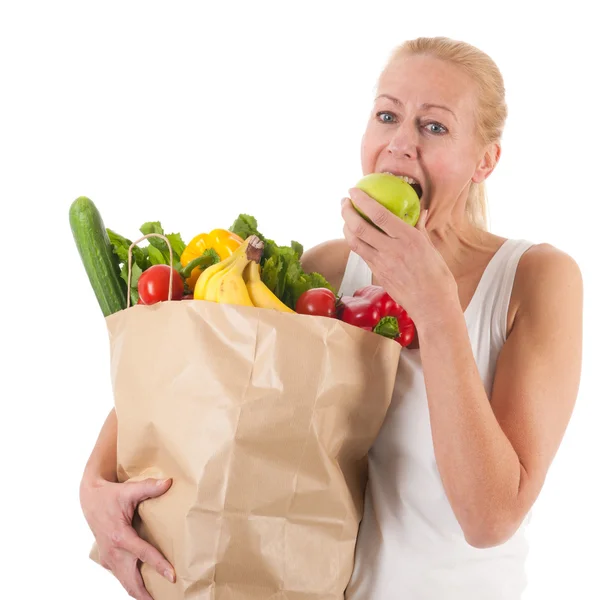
[488, 162]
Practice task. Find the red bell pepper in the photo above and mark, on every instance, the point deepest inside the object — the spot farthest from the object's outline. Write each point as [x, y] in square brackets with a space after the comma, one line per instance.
[358, 311]
[382, 300]
[372, 308]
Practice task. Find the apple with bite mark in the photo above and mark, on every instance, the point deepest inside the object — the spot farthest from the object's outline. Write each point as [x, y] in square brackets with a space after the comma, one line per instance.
[398, 196]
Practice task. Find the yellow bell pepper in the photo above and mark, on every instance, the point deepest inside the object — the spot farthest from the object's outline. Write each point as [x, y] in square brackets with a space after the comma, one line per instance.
[222, 241]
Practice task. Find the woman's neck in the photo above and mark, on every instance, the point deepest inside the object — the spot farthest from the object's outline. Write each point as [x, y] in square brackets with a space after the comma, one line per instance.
[462, 245]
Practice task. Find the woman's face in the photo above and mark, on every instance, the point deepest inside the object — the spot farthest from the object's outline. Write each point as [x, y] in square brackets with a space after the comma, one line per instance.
[423, 125]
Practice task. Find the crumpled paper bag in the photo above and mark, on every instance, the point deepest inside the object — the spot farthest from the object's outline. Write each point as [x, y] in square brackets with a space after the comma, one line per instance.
[263, 419]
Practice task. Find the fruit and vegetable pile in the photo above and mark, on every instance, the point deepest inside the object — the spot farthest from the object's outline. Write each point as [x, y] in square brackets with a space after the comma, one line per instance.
[238, 265]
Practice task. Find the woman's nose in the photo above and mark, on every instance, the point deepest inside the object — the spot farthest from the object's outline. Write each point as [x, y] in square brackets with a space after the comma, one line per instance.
[404, 142]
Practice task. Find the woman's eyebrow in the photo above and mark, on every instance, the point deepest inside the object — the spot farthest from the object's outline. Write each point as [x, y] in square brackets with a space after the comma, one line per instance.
[425, 106]
[428, 105]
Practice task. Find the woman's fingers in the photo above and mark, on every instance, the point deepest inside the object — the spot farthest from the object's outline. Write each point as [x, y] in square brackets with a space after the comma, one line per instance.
[109, 510]
[139, 585]
[422, 220]
[364, 250]
[384, 219]
[135, 492]
[361, 228]
[128, 539]
[128, 574]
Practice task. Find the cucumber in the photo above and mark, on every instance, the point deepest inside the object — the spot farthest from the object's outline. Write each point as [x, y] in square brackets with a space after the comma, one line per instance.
[96, 251]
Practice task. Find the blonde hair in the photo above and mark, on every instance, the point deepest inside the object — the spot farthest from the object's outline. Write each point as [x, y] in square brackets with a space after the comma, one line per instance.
[492, 109]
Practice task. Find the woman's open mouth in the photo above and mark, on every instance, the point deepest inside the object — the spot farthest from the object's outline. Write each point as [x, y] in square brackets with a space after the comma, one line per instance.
[412, 182]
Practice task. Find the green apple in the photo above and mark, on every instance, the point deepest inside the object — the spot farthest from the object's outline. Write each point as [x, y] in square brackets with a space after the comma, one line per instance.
[392, 192]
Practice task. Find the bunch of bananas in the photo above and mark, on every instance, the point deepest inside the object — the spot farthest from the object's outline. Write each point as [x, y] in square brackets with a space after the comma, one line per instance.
[236, 280]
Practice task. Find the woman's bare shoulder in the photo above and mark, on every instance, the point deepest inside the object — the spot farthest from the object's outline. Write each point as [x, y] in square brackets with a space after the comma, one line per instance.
[328, 258]
[541, 262]
[545, 271]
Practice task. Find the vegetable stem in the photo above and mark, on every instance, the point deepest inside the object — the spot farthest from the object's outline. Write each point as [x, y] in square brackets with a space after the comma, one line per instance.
[204, 261]
[388, 327]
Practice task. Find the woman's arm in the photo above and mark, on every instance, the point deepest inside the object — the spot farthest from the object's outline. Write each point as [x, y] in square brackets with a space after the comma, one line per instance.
[102, 463]
[109, 506]
[328, 258]
[493, 453]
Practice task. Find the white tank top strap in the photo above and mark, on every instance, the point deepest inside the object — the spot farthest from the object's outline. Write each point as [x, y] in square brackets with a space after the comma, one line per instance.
[503, 281]
[357, 275]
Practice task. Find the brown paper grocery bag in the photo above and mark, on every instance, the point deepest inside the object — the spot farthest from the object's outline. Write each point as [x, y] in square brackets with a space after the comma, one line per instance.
[263, 419]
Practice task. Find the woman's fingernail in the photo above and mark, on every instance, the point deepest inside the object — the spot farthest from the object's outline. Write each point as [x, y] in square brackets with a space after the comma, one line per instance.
[170, 575]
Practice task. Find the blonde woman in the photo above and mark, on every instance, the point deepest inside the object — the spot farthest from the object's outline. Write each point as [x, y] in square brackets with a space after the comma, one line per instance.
[482, 404]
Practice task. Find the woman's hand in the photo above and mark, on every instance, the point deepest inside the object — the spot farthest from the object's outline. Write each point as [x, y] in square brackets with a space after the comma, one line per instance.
[402, 258]
[108, 508]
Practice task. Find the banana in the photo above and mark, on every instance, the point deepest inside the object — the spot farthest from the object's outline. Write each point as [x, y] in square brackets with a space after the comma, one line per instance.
[206, 275]
[226, 284]
[231, 287]
[211, 291]
[259, 293]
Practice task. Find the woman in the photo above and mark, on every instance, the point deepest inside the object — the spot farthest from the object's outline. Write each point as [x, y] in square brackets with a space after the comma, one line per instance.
[481, 404]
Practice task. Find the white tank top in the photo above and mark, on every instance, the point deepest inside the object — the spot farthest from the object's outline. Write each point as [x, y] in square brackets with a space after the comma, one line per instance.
[410, 545]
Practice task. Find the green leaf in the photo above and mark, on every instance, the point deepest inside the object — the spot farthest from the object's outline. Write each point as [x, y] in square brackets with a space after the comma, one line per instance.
[177, 244]
[120, 245]
[290, 270]
[135, 276]
[295, 290]
[155, 227]
[140, 255]
[316, 280]
[285, 257]
[294, 272]
[245, 226]
[270, 249]
[156, 256]
[177, 266]
[270, 273]
[152, 227]
[298, 248]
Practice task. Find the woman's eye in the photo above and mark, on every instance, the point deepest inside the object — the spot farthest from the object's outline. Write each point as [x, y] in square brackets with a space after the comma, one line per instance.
[436, 128]
[385, 117]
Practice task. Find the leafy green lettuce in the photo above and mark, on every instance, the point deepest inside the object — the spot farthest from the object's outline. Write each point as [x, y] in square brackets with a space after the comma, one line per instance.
[281, 270]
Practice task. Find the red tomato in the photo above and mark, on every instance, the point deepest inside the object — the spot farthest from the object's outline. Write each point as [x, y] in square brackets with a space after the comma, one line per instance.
[317, 301]
[153, 285]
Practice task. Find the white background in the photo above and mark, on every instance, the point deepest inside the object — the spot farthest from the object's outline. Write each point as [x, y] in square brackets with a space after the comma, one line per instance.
[190, 115]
